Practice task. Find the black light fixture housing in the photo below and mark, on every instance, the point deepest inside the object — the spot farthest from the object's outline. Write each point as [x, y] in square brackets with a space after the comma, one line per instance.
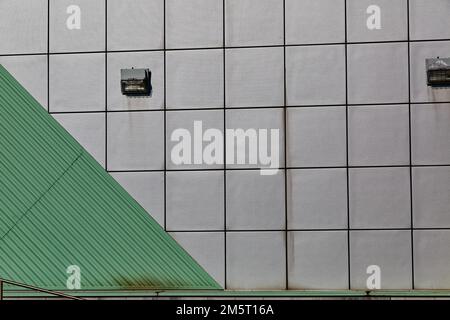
[438, 72]
[136, 82]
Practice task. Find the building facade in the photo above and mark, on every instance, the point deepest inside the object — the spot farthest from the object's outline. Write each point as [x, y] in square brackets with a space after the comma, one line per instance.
[332, 95]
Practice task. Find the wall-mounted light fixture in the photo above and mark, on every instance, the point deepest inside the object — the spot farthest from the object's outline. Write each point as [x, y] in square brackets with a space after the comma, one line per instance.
[136, 82]
[438, 72]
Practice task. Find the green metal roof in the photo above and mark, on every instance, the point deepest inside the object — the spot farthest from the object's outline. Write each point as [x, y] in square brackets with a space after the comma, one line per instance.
[58, 207]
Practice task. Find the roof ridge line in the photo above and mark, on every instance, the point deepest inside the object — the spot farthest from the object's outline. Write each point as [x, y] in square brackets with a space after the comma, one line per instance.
[43, 194]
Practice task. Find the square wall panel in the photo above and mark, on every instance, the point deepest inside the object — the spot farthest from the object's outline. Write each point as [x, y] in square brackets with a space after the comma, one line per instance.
[389, 250]
[252, 121]
[135, 24]
[194, 23]
[127, 60]
[23, 26]
[89, 35]
[195, 79]
[318, 260]
[317, 199]
[378, 135]
[136, 140]
[256, 261]
[254, 201]
[379, 198]
[420, 91]
[431, 197]
[31, 72]
[77, 82]
[207, 248]
[253, 22]
[315, 21]
[195, 200]
[315, 75]
[147, 188]
[431, 259]
[316, 136]
[192, 155]
[378, 73]
[393, 20]
[88, 129]
[430, 134]
[254, 77]
[429, 19]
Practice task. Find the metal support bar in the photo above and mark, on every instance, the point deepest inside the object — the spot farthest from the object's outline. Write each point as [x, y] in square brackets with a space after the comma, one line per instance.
[26, 286]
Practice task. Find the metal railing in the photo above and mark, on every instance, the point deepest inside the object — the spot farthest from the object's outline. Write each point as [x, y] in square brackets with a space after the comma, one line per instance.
[26, 286]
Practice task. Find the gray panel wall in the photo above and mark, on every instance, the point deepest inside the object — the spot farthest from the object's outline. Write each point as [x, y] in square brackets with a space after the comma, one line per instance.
[364, 143]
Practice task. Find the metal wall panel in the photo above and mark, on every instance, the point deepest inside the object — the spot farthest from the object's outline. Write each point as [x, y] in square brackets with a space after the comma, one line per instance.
[364, 142]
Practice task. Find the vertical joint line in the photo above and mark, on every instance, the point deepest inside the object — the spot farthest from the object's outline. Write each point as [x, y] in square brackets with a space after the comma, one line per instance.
[410, 145]
[224, 145]
[48, 56]
[165, 116]
[286, 240]
[106, 85]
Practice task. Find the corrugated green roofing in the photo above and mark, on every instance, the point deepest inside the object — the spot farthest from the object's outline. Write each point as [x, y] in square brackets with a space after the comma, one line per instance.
[58, 207]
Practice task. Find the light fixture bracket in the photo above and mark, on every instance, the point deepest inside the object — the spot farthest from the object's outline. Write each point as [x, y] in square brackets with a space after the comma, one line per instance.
[438, 72]
[136, 82]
